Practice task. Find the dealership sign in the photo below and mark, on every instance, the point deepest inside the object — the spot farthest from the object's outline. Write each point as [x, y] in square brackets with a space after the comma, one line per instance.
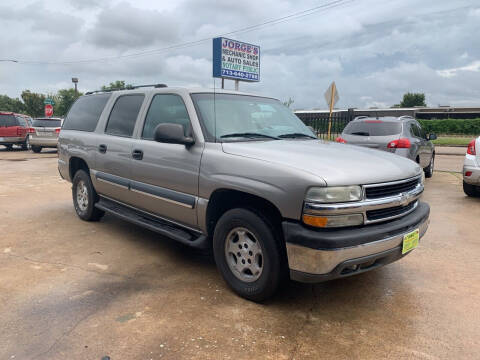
[236, 60]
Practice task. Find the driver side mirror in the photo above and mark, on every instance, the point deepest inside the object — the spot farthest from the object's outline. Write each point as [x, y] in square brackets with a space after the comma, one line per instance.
[172, 133]
[432, 137]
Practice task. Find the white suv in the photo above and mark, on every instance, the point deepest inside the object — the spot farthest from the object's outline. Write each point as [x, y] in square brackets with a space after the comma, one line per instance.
[471, 169]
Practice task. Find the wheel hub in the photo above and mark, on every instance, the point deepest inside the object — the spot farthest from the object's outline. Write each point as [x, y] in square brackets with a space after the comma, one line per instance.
[244, 255]
[82, 195]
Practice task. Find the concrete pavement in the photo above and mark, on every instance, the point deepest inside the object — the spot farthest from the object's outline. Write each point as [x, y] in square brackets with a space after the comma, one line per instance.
[76, 290]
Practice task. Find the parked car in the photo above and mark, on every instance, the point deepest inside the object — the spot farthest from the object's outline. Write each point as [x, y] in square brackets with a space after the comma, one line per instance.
[45, 133]
[242, 175]
[402, 136]
[14, 130]
[471, 169]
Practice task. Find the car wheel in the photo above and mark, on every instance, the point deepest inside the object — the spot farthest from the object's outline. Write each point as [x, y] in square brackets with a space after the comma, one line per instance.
[26, 143]
[9, 147]
[85, 197]
[470, 190]
[248, 254]
[36, 149]
[429, 169]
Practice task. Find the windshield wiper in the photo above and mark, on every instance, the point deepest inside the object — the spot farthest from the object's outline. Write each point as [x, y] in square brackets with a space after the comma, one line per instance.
[295, 135]
[249, 135]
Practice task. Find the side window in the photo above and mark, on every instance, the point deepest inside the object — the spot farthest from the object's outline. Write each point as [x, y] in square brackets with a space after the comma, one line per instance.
[121, 121]
[12, 121]
[85, 112]
[22, 121]
[3, 120]
[414, 130]
[165, 108]
[420, 130]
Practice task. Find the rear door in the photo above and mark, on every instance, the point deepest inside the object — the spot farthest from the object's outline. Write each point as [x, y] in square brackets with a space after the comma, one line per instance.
[3, 128]
[46, 128]
[12, 127]
[419, 144]
[114, 149]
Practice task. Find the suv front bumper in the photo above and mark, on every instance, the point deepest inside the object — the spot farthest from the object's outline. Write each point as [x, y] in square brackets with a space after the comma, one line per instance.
[320, 255]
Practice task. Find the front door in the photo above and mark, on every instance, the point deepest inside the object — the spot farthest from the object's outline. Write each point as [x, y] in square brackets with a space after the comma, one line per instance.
[113, 160]
[165, 176]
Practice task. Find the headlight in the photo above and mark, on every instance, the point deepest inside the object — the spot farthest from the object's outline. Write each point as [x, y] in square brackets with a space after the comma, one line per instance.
[333, 220]
[335, 194]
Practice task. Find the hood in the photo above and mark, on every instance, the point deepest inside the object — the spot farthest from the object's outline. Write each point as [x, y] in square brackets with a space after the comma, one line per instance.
[337, 164]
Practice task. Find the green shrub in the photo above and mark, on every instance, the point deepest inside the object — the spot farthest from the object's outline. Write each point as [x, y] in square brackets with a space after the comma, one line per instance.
[452, 126]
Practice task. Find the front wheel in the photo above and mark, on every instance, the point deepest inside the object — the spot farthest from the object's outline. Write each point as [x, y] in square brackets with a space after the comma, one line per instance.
[36, 149]
[248, 254]
[429, 169]
[470, 190]
[85, 197]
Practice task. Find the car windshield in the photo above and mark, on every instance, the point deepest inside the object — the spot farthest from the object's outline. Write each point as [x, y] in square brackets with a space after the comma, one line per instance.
[373, 128]
[230, 117]
[47, 123]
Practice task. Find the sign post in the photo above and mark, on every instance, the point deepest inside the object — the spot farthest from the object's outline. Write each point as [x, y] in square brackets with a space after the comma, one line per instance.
[235, 60]
[331, 96]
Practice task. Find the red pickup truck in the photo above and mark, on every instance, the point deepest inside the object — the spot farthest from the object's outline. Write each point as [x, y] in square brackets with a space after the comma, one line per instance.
[14, 130]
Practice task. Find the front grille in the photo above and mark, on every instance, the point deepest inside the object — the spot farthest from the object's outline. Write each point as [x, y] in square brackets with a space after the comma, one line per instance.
[382, 191]
[389, 212]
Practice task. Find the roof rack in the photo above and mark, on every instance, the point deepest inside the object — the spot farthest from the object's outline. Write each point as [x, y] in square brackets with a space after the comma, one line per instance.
[360, 117]
[405, 116]
[126, 88]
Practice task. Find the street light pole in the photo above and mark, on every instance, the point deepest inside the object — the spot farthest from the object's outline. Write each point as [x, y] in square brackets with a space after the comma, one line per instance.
[75, 81]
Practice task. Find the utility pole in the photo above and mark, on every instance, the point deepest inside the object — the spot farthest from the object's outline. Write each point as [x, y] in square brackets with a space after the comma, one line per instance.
[75, 81]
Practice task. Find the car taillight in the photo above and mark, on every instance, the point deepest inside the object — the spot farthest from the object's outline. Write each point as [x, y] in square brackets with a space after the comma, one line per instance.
[403, 143]
[471, 148]
[340, 140]
[31, 130]
[57, 131]
[468, 173]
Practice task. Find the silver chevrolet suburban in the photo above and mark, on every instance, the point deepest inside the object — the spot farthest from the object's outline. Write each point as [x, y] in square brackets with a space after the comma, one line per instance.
[243, 176]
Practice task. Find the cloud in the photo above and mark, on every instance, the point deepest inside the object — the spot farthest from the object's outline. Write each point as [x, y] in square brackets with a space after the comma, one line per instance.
[448, 73]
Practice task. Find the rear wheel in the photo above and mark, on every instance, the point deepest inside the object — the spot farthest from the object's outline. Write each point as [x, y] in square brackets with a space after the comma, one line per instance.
[248, 254]
[36, 149]
[85, 197]
[429, 169]
[470, 190]
[9, 147]
[26, 143]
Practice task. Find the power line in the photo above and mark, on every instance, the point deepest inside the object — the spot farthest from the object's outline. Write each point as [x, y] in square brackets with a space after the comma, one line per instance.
[297, 15]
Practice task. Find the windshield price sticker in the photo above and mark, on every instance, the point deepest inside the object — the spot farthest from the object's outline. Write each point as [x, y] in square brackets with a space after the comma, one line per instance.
[236, 60]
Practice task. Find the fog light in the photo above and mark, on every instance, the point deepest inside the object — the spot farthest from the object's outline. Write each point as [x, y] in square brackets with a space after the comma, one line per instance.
[333, 220]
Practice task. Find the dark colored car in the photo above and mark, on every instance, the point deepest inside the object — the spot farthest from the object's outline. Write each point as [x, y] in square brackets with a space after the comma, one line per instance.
[14, 130]
[402, 136]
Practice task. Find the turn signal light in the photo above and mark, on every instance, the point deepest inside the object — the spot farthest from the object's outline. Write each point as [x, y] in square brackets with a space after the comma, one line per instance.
[317, 221]
[340, 140]
[471, 148]
[403, 143]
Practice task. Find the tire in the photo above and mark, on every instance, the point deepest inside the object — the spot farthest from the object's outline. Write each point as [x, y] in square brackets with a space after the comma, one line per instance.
[470, 190]
[85, 197]
[36, 149]
[26, 143]
[9, 147]
[429, 169]
[263, 251]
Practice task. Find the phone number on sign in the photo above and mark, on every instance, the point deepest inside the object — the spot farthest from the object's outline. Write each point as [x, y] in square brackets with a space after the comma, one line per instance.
[239, 74]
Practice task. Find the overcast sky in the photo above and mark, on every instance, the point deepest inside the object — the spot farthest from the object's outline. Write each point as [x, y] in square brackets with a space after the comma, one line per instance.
[375, 50]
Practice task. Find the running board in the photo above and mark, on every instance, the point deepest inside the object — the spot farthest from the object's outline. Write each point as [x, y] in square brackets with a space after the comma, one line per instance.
[163, 227]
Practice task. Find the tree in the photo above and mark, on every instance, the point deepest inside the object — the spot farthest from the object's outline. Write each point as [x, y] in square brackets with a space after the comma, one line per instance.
[413, 99]
[117, 85]
[64, 100]
[9, 104]
[34, 105]
[288, 102]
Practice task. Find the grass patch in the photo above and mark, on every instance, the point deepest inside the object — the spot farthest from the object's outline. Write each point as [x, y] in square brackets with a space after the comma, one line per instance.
[452, 141]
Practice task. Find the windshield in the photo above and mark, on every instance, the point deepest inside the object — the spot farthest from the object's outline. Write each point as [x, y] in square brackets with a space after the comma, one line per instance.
[47, 123]
[373, 128]
[230, 117]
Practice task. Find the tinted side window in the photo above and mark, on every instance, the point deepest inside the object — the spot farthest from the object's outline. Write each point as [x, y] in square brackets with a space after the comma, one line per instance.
[22, 121]
[85, 112]
[11, 121]
[124, 115]
[165, 108]
[421, 131]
